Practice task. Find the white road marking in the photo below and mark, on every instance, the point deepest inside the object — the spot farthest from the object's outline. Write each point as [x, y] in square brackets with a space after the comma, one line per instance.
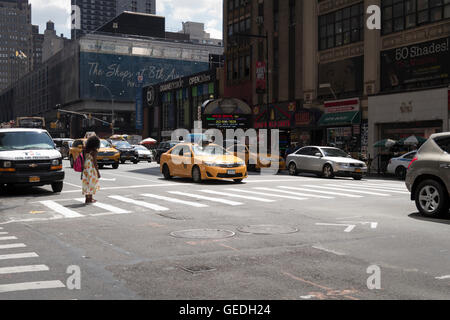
[330, 192]
[357, 191]
[21, 269]
[309, 195]
[377, 189]
[173, 200]
[268, 194]
[12, 245]
[349, 228]
[7, 238]
[67, 213]
[443, 277]
[105, 206]
[196, 196]
[31, 286]
[131, 187]
[227, 194]
[319, 247]
[2, 233]
[140, 203]
[73, 185]
[18, 255]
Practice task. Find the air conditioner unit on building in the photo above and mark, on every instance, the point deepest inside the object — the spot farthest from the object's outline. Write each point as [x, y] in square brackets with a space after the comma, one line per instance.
[259, 20]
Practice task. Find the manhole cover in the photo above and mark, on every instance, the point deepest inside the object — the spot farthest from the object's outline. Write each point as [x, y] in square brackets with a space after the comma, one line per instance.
[203, 234]
[197, 269]
[267, 229]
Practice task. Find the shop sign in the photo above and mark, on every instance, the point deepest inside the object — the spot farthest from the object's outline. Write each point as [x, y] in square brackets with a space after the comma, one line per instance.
[339, 106]
[278, 116]
[171, 85]
[199, 79]
[260, 77]
[227, 121]
[303, 118]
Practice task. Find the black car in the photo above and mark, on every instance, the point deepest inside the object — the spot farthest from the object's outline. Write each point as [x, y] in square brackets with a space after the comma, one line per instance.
[63, 146]
[126, 151]
[164, 147]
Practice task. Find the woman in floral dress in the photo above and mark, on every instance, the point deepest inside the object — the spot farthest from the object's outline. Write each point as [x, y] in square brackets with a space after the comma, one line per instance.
[91, 174]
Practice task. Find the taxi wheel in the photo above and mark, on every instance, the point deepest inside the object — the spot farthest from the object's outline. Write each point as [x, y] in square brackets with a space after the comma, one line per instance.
[122, 161]
[196, 175]
[115, 166]
[237, 180]
[166, 172]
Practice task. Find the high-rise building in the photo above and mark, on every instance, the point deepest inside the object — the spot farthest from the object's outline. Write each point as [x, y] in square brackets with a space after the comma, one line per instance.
[93, 14]
[38, 40]
[142, 6]
[52, 43]
[197, 33]
[15, 40]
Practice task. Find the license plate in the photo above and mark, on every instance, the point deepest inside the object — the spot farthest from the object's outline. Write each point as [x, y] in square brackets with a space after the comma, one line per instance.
[34, 179]
[230, 172]
[358, 170]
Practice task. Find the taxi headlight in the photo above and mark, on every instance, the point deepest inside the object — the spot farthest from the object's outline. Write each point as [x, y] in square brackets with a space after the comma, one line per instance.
[210, 164]
[241, 163]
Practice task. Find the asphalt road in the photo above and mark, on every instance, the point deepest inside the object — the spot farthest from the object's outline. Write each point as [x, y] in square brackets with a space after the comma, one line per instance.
[269, 238]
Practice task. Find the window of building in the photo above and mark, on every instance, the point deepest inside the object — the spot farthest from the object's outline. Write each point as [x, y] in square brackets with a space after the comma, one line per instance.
[398, 15]
[341, 27]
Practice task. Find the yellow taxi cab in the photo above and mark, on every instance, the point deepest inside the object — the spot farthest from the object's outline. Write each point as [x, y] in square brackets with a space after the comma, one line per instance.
[202, 162]
[258, 160]
[107, 155]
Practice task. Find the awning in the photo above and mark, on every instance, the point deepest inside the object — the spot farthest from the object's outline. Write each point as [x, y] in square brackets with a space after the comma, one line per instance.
[340, 119]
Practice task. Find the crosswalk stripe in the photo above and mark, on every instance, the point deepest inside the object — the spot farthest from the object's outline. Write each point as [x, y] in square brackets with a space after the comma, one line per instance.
[269, 194]
[227, 194]
[31, 286]
[334, 186]
[196, 196]
[188, 203]
[377, 189]
[309, 195]
[140, 203]
[7, 238]
[21, 269]
[61, 209]
[106, 207]
[309, 186]
[2, 233]
[12, 245]
[18, 255]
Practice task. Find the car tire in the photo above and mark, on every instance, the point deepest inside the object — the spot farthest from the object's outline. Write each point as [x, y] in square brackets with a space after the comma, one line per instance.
[293, 169]
[237, 181]
[135, 162]
[400, 172]
[431, 198]
[166, 172]
[327, 171]
[122, 161]
[71, 161]
[100, 166]
[57, 186]
[358, 177]
[115, 166]
[196, 175]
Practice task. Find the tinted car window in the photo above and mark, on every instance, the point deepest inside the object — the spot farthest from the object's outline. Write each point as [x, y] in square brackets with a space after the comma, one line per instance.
[304, 151]
[410, 155]
[443, 143]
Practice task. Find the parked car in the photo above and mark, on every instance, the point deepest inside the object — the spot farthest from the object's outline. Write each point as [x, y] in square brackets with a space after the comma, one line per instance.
[63, 146]
[399, 165]
[428, 176]
[107, 155]
[142, 153]
[126, 151]
[326, 162]
[29, 157]
[163, 147]
[202, 162]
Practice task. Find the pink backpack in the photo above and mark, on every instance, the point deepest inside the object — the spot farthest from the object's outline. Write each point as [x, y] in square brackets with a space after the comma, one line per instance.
[78, 165]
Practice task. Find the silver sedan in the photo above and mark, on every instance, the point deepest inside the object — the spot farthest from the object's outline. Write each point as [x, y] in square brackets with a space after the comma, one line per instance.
[327, 162]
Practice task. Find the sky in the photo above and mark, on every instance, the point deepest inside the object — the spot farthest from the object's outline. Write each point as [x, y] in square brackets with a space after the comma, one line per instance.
[176, 11]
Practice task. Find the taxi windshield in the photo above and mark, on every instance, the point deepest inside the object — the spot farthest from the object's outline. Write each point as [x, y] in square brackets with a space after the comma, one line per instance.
[210, 150]
[104, 144]
[122, 144]
[25, 141]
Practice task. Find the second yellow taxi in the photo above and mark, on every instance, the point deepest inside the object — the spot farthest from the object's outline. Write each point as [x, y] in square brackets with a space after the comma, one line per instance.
[107, 155]
[202, 162]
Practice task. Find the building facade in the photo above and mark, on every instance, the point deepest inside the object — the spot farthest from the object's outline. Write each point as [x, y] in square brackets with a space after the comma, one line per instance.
[16, 44]
[332, 80]
[142, 6]
[197, 33]
[38, 40]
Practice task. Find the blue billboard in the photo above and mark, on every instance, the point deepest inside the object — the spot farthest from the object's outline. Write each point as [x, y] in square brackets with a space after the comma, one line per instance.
[119, 73]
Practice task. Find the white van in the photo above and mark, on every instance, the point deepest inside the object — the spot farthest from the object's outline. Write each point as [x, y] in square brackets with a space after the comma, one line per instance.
[29, 157]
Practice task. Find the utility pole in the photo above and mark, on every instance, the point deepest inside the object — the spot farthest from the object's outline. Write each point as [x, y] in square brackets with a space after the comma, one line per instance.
[112, 104]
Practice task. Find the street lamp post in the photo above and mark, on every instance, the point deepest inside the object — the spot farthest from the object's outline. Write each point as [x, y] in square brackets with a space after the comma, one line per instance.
[112, 104]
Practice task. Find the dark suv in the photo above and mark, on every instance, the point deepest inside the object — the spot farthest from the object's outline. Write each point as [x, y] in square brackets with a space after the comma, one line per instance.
[164, 147]
[428, 176]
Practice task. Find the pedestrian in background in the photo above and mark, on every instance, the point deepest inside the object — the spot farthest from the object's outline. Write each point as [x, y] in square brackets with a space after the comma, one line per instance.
[91, 174]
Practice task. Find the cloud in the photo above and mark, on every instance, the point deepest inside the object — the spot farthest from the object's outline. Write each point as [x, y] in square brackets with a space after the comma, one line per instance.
[175, 11]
